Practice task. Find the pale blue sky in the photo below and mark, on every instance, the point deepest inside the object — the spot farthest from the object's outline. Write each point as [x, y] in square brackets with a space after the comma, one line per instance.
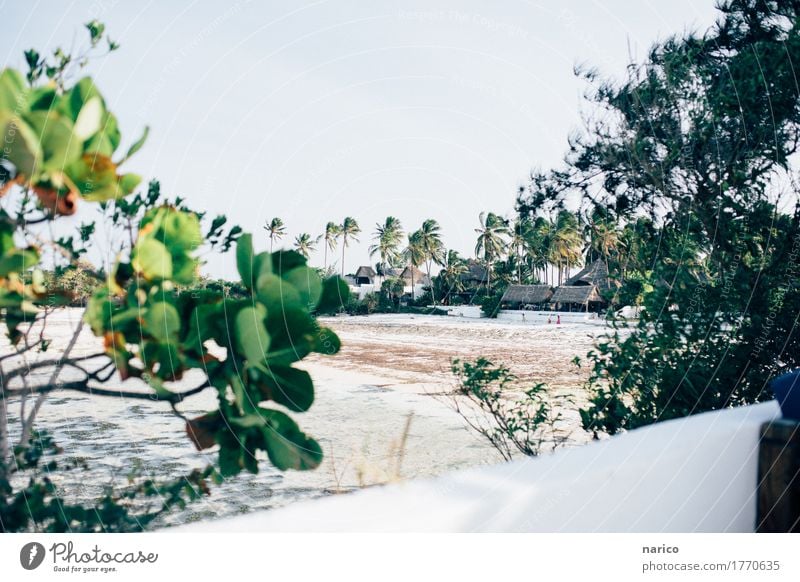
[312, 111]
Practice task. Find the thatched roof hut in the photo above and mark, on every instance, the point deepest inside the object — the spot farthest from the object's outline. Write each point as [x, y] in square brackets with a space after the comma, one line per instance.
[576, 295]
[365, 275]
[419, 277]
[518, 295]
[595, 274]
[476, 273]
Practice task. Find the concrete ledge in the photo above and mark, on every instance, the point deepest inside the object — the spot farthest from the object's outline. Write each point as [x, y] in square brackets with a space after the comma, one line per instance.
[695, 474]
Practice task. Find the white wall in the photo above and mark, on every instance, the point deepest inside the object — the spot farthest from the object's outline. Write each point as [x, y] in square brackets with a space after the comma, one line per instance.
[361, 291]
[541, 317]
[472, 311]
[696, 474]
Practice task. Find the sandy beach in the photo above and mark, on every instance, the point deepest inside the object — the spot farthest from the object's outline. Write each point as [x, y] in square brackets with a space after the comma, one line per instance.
[418, 349]
[379, 412]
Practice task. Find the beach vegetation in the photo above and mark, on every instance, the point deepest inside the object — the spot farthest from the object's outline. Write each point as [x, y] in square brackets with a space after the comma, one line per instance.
[515, 420]
[159, 325]
[693, 153]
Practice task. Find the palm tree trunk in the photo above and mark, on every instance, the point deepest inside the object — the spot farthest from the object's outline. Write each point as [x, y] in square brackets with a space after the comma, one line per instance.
[325, 266]
[430, 282]
[344, 245]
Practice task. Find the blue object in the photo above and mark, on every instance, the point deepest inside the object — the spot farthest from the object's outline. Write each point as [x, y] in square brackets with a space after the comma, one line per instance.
[787, 392]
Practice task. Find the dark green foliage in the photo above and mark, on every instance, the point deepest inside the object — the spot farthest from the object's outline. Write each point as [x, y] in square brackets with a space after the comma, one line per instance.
[264, 332]
[490, 303]
[697, 142]
[40, 506]
[157, 318]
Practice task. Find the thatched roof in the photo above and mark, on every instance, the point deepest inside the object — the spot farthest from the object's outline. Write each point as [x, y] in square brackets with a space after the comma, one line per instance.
[527, 294]
[420, 278]
[475, 272]
[392, 272]
[575, 294]
[366, 271]
[595, 274]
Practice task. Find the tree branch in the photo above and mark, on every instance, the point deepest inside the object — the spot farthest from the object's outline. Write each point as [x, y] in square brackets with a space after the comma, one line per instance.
[59, 362]
[84, 387]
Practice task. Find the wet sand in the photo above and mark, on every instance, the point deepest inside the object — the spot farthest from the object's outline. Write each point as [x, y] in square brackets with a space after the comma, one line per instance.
[390, 368]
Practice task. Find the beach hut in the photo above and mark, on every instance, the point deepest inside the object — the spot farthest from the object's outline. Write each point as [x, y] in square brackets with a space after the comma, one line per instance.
[577, 298]
[413, 273]
[365, 276]
[526, 296]
[595, 274]
[475, 274]
[414, 281]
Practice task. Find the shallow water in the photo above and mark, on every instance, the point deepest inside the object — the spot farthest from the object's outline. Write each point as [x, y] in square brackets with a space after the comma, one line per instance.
[358, 420]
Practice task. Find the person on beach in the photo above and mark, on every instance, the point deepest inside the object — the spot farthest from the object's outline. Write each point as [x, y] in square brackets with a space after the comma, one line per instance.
[549, 320]
[558, 321]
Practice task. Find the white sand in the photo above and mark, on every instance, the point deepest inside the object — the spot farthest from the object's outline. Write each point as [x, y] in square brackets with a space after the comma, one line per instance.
[387, 370]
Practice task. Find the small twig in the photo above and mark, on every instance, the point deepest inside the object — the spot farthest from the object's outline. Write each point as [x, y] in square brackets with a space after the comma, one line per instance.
[28, 426]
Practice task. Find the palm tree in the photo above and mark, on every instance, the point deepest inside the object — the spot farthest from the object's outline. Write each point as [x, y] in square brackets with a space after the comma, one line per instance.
[388, 237]
[276, 230]
[433, 251]
[539, 246]
[305, 245]
[348, 231]
[491, 240]
[604, 238]
[450, 277]
[414, 254]
[521, 239]
[331, 235]
[566, 243]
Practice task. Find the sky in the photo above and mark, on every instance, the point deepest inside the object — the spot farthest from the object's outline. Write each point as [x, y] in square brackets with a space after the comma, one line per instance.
[313, 111]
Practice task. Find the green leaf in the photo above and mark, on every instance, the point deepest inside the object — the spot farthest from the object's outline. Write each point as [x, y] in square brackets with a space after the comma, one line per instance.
[122, 319]
[18, 261]
[89, 119]
[128, 183]
[184, 269]
[161, 320]
[276, 293]
[326, 341]
[335, 293]
[13, 91]
[287, 446]
[169, 362]
[285, 261]
[42, 98]
[230, 455]
[96, 178]
[99, 311]
[20, 143]
[60, 147]
[288, 386]
[137, 145]
[152, 259]
[252, 338]
[308, 285]
[106, 141]
[177, 229]
[75, 99]
[244, 259]
[96, 29]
